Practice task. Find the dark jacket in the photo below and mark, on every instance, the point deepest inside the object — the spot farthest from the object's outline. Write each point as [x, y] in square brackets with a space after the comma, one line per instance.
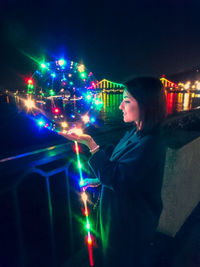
[131, 203]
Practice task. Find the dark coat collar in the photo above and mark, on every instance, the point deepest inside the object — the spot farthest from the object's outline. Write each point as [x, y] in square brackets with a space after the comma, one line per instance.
[130, 138]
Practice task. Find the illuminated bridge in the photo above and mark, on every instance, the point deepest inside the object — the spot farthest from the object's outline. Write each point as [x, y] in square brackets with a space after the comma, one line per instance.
[167, 83]
[108, 86]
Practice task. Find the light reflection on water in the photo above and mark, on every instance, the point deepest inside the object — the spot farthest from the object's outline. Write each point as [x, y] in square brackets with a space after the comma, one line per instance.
[180, 101]
[176, 102]
[111, 114]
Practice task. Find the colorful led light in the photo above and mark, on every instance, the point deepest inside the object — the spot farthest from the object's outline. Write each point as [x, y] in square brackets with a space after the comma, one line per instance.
[92, 119]
[75, 148]
[53, 75]
[84, 197]
[43, 66]
[64, 124]
[86, 213]
[93, 84]
[30, 81]
[97, 102]
[89, 240]
[86, 118]
[56, 110]
[51, 92]
[79, 165]
[83, 75]
[88, 225]
[41, 122]
[61, 62]
[81, 68]
[81, 183]
[29, 103]
[88, 97]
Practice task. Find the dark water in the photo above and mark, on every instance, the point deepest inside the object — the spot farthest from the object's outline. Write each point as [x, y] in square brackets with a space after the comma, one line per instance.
[19, 133]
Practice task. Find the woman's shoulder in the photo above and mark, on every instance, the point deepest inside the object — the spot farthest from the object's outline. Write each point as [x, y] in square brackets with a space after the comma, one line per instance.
[152, 140]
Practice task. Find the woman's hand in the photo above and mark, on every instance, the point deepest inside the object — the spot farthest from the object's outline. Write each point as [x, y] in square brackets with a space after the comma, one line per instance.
[80, 138]
[90, 182]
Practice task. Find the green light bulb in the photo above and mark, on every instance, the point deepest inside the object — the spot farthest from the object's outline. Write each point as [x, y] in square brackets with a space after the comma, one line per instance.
[43, 65]
[52, 92]
[41, 122]
[87, 225]
[83, 75]
[89, 97]
[79, 165]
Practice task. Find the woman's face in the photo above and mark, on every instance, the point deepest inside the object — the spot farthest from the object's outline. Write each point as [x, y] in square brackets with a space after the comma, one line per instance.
[130, 108]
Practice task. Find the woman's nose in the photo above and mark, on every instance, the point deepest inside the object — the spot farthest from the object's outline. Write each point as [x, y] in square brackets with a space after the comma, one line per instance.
[121, 105]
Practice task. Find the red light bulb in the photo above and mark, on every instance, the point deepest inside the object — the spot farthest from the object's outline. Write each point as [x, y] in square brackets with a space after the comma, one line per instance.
[30, 81]
[56, 110]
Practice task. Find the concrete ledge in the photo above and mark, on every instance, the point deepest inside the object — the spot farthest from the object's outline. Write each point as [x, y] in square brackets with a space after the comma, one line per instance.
[181, 186]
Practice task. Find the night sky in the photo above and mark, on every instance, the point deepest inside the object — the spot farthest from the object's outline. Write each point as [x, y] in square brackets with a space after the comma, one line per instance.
[114, 39]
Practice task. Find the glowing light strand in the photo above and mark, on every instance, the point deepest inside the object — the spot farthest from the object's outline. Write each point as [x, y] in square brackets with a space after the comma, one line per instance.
[84, 198]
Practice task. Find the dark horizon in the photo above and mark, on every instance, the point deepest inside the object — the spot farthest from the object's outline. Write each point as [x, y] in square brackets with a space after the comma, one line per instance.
[114, 40]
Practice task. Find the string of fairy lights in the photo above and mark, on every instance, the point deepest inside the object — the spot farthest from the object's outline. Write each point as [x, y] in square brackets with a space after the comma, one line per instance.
[61, 97]
[67, 95]
[85, 199]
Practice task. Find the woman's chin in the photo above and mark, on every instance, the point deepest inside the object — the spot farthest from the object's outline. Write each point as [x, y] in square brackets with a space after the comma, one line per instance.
[125, 120]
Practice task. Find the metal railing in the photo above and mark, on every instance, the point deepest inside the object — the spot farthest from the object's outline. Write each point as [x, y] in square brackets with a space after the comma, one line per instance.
[40, 207]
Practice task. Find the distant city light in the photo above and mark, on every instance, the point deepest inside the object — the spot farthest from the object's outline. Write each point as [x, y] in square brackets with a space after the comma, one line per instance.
[187, 85]
[198, 86]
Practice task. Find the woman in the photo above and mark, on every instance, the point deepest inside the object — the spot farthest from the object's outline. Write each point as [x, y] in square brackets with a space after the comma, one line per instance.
[131, 176]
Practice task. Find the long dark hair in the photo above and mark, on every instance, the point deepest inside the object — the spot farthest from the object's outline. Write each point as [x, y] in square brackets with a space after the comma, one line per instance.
[150, 95]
